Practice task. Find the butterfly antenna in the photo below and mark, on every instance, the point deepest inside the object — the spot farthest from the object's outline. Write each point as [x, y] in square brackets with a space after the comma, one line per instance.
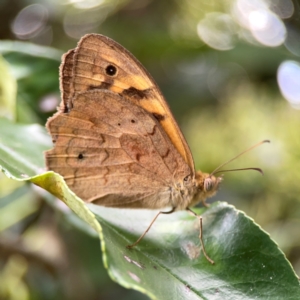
[230, 160]
[242, 169]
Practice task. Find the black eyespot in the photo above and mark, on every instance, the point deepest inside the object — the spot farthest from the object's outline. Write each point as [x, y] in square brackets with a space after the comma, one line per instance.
[132, 121]
[111, 70]
[80, 156]
[186, 178]
[119, 124]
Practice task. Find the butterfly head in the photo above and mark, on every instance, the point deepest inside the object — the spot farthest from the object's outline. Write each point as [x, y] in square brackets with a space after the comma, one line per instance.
[207, 185]
[211, 184]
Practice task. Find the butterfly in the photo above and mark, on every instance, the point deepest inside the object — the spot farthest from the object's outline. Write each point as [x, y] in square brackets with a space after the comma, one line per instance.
[116, 142]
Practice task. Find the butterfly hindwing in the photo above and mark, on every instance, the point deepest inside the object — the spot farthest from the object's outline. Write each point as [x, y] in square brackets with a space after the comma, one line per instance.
[114, 152]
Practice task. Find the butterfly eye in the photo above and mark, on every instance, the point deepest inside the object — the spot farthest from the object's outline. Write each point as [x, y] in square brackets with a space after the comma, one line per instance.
[208, 184]
[187, 178]
[111, 70]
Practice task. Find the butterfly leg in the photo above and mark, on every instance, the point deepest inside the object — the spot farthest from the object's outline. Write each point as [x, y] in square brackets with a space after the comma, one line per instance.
[200, 234]
[140, 238]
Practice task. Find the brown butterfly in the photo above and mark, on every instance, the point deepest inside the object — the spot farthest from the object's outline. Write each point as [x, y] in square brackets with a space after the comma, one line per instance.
[116, 141]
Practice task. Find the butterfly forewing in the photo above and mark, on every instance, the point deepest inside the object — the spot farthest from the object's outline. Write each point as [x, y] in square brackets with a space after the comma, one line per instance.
[94, 55]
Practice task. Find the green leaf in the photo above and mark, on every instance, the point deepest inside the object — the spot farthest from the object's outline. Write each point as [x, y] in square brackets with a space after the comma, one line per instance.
[168, 263]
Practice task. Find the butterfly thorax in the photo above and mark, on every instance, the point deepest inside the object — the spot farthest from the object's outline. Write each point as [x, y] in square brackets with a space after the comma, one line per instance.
[197, 189]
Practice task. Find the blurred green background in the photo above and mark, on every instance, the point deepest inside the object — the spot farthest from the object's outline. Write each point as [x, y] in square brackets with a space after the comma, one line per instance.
[230, 71]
